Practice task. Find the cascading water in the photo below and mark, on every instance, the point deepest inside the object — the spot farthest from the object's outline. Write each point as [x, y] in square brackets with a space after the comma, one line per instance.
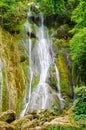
[44, 60]
[43, 54]
[62, 101]
[43, 95]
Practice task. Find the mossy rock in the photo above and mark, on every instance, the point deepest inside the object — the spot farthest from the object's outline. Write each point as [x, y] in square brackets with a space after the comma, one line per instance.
[8, 116]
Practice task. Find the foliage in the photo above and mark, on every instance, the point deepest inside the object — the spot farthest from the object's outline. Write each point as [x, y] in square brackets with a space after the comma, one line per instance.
[79, 14]
[14, 11]
[80, 102]
[78, 49]
[79, 107]
[56, 7]
[11, 12]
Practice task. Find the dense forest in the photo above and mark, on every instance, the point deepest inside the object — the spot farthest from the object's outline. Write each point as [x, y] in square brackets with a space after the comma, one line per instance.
[20, 65]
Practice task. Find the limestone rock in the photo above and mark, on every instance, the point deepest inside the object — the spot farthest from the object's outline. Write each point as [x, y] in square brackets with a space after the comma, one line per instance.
[6, 126]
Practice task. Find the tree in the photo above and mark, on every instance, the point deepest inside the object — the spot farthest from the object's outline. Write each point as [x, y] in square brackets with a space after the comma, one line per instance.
[61, 7]
[78, 50]
[79, 14]
[11, 13]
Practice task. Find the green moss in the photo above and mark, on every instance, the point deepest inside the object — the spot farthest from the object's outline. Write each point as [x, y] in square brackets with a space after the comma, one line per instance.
[64, 80]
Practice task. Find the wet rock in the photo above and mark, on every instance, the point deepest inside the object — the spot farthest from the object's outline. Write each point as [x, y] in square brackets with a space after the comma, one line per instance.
[8, 116]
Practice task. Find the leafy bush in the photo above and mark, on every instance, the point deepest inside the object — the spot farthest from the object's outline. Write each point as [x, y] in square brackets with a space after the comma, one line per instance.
[80, 103]
[79, 14]
[11, 13]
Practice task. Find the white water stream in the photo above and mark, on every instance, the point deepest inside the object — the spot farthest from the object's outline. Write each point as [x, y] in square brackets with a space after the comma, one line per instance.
[40, 97]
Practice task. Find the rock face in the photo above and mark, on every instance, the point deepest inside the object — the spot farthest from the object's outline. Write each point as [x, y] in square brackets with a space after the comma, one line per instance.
[13, 78]
[8, 116]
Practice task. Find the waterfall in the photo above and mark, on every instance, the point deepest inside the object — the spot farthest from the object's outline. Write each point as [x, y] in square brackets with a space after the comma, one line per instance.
[44, 59]
[40, 59]
[43, 53]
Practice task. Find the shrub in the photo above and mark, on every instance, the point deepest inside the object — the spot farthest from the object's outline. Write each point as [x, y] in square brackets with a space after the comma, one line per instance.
[80, 103]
